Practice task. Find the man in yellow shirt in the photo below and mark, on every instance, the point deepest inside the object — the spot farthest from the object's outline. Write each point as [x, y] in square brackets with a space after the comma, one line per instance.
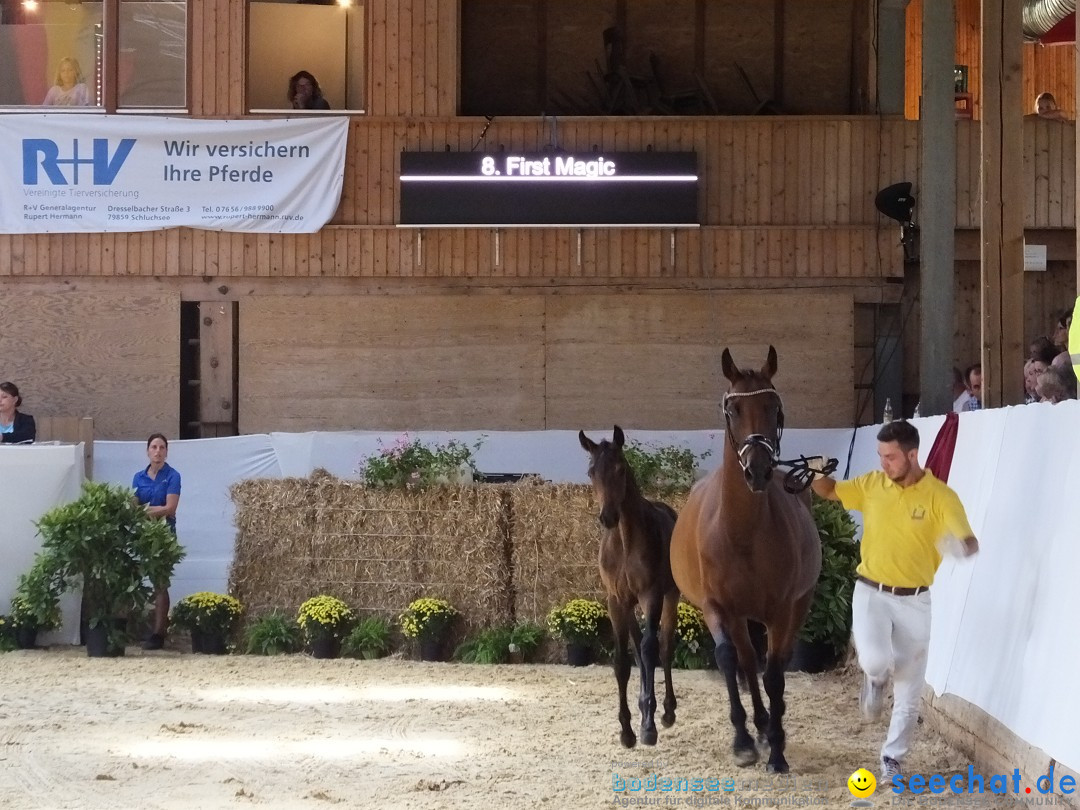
[907, 515]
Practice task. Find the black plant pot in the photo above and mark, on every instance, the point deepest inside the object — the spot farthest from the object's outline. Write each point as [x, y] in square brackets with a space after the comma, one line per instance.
[812, 656]
[325, 647]
[97, 640]
[579, 655]
[432, 649]
[208, 643]
[26, 638]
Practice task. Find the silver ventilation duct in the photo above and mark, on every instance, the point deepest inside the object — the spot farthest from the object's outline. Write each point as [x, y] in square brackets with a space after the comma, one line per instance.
[1042, 15]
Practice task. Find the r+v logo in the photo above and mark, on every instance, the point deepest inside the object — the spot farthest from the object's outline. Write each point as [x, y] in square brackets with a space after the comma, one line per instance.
[44, 154]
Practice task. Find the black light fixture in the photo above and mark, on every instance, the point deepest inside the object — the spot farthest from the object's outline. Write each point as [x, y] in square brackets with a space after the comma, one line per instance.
[897, 202]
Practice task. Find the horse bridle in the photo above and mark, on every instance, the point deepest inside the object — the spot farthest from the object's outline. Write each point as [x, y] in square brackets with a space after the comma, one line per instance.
[755, 439]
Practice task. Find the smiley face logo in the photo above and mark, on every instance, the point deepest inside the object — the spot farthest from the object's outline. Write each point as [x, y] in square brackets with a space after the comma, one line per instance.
[862, 784]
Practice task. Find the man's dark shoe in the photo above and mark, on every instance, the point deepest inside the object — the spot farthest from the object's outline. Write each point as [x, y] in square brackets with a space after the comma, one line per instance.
[154, 642]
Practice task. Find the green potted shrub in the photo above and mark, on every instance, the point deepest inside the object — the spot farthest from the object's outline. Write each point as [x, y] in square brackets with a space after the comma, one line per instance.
[325, 620]
[579, 623]
[429, 621]
[210, 618]
[107, 544]
[7, 635]
[369, 639]
[525, 639]
[35, 607]
[489, 646]
[273, 634]
[825, 633]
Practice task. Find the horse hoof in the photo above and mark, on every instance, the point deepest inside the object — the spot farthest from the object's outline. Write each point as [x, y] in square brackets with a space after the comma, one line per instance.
[628, 739]
[648, 737]
[746, 757]
[777, 767]
[668, 720]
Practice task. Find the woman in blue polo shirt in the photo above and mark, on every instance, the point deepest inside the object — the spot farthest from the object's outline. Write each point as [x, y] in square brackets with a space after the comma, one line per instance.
[158, 487]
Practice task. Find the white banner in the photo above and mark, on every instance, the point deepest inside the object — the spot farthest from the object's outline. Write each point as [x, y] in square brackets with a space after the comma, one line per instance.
[83, 173]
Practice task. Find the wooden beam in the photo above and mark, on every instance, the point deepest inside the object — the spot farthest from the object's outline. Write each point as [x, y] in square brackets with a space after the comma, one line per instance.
[937, 207]
[1061, 244]
[1003, 341]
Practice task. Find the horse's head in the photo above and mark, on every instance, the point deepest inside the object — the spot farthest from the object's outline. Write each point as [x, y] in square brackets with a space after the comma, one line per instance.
[754, 414]
[609, 474]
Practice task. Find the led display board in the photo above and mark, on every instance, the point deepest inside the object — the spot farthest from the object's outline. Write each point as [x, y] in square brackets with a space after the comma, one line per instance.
[546, 189]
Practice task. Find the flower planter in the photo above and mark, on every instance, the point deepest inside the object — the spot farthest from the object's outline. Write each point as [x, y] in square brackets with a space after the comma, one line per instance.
[325, 647]
[431, 650]
[812, 657]
[97, 640]
[208, 643]
[26, 638]
[579, 655]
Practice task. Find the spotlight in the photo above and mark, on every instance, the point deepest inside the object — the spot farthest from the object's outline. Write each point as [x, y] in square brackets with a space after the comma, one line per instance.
[897, 202]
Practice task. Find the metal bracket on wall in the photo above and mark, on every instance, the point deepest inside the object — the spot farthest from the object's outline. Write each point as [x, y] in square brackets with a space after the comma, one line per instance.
[579, 247]
[498, 248]
[419, 248]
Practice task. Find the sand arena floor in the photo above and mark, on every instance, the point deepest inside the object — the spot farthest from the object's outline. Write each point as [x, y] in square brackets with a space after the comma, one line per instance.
[171, 730]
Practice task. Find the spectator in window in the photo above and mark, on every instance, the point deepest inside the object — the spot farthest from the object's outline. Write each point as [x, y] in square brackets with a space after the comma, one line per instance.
[70, 89]
[973, 375]
[1032, 369]
[1046, 107]
[15, 427]
[961, 395]
[305, 93]
[1060, 337]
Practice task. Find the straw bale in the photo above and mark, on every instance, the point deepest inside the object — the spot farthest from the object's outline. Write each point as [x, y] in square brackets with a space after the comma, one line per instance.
[555, 548]
[377, 549]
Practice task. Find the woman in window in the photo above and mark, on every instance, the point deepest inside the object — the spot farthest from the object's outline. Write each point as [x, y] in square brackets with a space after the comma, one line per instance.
[70, 89]
[305, 93]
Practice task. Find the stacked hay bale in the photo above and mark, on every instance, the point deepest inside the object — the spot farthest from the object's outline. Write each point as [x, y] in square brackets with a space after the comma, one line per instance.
[378, 549]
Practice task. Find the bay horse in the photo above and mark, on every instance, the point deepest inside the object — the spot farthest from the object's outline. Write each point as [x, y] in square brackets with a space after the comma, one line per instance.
[635, 568]
[745, 549]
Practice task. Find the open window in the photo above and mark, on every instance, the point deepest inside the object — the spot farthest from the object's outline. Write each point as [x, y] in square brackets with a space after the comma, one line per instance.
[324, 39]
[78, 56]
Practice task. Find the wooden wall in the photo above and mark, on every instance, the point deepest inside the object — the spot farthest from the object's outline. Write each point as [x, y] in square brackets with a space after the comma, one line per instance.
[789, 197]
[1046, 68]
[518, 362]
[101, 352]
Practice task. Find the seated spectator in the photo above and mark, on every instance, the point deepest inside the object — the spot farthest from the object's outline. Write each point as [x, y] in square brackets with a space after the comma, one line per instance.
[15, 427]
[1052, 387]
[1060, 337]
[961, 395]
[1046, 107]
[305, 93]
[973, 375]
[1032, 369]
[1043, 348]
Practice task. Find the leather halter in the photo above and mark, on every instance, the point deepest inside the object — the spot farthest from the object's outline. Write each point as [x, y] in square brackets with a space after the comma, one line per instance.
[755, 439]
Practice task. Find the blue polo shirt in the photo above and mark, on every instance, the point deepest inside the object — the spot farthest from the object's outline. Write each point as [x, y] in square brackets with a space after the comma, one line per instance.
[152, 491]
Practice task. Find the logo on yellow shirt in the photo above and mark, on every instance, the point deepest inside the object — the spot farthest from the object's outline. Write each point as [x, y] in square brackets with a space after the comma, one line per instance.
[918, 513]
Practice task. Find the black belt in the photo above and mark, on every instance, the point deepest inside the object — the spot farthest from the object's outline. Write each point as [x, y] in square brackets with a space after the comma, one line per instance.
[877, 586]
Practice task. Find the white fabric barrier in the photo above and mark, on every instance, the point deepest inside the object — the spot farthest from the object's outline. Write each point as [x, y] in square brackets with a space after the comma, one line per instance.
[1002, 621]
[996, 618]
[34, 480]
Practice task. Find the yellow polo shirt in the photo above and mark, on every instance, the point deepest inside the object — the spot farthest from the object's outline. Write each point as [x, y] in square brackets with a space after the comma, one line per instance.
[902, 526]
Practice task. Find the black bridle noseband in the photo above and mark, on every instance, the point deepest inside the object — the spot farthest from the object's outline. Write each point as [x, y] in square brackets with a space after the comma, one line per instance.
[800, 476]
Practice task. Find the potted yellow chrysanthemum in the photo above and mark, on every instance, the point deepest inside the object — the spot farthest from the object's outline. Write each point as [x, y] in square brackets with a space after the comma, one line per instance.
[428, 621]
[325, 620]
[578, 623]
[210, 618]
